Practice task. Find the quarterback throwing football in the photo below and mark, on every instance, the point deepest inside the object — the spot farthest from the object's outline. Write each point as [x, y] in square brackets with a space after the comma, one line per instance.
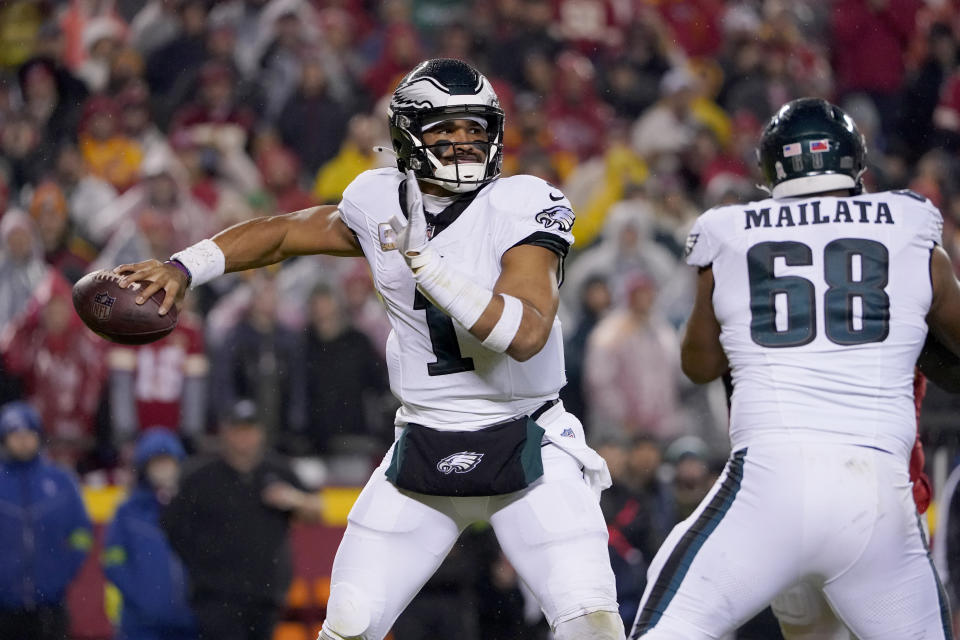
[468, 265]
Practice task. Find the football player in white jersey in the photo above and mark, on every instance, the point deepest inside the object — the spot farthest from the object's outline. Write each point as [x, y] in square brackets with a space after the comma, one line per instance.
[468, 265]
[818, 300]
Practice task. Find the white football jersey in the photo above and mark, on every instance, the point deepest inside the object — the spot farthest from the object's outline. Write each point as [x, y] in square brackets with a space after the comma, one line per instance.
[822, 305]
[442, 375]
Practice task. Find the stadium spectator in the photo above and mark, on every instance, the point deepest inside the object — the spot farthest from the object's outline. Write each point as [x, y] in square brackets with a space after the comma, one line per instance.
[639, 510]
[239, 560]
[280, 64]
[160, 383]
[281, 172]
[22, 153]
[60, 364]
[630, 80]
[102, 39]
[216, 106]
[44, 531]
[52, 97]
[107, 150]
[87, 195]
[21, 264]
[594, 302]
[342, 63]
[155, 24]
[694, 25]
[62, 249]
[576, 116]
[666, 128]
[921, 94]
[346, 380]
[158, 211]
[261, 359]
[137, 557]
[401, 52]
[632, 369]
[312, 122]
[354, 157]
[869, 38]
[168, 63]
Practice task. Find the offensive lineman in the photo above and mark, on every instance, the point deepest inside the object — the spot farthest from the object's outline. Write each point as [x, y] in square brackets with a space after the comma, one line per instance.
[819, 300]
[468, 265]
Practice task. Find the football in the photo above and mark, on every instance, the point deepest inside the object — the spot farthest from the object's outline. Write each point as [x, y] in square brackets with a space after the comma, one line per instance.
[113, 313]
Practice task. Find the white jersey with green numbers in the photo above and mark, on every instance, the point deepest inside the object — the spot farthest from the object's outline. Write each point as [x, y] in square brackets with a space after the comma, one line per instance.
[822, 305]
[442, 375]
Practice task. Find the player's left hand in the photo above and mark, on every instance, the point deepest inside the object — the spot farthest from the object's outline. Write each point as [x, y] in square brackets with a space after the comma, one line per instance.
[412, 236]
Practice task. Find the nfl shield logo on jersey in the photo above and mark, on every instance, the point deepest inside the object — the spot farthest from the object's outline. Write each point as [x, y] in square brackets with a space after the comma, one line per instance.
[462, 462]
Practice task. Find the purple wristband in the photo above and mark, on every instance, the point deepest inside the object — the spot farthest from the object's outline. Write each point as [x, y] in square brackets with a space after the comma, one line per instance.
[182, 267]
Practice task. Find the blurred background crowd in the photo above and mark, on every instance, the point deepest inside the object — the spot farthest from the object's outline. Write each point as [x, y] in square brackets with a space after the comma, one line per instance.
[132, 128]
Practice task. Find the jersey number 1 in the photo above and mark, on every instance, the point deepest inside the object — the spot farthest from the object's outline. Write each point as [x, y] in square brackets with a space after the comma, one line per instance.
[443, 340]
[844, 293]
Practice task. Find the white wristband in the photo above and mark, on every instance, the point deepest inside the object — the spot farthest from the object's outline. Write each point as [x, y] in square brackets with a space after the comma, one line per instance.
[457, 295]
[204, 260]
[507, 326]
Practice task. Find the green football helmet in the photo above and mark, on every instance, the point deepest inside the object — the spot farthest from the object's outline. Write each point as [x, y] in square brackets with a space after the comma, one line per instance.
[811, 146]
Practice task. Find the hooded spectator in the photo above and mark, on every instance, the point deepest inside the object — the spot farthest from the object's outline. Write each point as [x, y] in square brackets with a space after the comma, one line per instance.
[21, 264]
[137, 557]
[632, 368]
[102, 40]
[45, 532]
[60, 363]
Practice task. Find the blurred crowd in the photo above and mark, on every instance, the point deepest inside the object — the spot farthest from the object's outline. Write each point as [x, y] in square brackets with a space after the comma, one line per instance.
[132, 128]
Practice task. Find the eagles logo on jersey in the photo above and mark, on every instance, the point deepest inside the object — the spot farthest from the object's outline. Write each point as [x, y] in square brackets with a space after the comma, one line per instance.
[445, 89]
[461, 462]
[560, 217]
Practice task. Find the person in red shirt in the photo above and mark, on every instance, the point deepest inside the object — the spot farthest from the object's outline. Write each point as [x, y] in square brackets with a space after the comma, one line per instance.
[60, 364]
[161, 383]
[869, 41]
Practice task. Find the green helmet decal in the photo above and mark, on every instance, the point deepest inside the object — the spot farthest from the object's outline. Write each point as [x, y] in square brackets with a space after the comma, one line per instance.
[811, 146]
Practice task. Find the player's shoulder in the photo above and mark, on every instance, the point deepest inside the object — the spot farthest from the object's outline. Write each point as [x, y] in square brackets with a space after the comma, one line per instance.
[906, 199]
[725, 219]
[713, 229]
[528, 201]
[518, 192]
[371, 183]
[913, 210]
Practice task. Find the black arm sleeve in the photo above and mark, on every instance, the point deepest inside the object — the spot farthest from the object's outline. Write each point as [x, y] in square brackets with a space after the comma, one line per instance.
[552, 242]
